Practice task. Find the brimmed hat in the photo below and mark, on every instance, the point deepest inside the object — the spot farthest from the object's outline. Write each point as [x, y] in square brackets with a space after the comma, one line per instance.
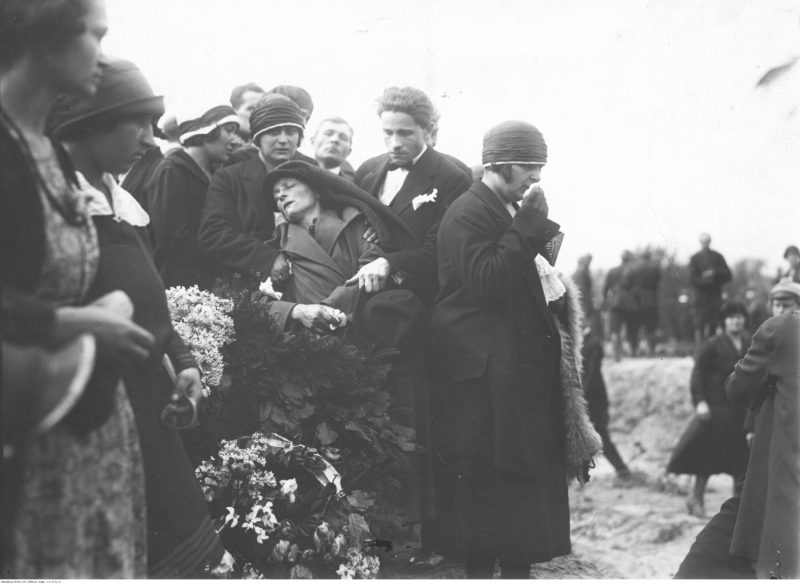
[273, 111]
[336, 193]
[514, 142]
[202, 125]
[784, 288]
[122, 91]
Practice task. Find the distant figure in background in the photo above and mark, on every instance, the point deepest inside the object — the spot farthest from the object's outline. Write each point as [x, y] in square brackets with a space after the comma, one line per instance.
[583, 280]
[647, 277]
[177, 193]
[243, 101]
[298, 95]
[758, 307]
[714, 441]
[708, 271]
[333, 142]
[594, 387]
[619, 298]
[792, 268]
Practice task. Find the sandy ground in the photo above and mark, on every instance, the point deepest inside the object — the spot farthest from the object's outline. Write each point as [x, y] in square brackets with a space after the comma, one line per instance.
[637, 528]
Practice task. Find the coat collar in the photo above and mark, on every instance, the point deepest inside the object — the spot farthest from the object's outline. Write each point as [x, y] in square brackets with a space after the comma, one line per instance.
[297, 241]
[181, 158]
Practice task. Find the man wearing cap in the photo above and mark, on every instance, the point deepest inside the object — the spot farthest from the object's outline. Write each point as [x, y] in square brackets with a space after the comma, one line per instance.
[708, 271]
[237, 220]
[497, 352]
[792, 269]
[176, 194]
[333, 142]
[416, 182]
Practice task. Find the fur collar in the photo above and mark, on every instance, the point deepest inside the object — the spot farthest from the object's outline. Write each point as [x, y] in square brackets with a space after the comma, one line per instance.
[583, 442]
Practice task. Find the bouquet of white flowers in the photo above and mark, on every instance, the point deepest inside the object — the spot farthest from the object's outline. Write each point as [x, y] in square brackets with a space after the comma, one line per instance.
[203, 322]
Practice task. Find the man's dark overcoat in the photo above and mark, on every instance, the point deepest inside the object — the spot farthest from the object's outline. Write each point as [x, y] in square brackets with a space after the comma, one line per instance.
[432, 171]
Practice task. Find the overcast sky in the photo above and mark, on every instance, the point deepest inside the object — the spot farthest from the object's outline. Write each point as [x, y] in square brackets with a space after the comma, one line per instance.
[654, 126]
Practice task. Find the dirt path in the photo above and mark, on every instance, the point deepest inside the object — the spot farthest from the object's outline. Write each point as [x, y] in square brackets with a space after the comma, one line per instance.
[637, 528]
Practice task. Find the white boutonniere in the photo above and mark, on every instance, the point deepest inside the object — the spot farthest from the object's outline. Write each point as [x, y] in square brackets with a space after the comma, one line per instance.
[420, 200]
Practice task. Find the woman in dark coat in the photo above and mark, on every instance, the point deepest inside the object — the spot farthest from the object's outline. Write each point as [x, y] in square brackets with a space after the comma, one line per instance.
[80, 510]
[511, 413]
[176, 194]
[104, 136]
[715, 441]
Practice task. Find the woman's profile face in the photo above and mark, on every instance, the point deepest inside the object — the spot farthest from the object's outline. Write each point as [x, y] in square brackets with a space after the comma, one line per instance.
[295, 199]
[75, 66]
[219, 149]
[118, 149]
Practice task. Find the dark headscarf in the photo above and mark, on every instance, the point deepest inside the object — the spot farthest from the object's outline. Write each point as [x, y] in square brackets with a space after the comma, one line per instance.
[336, 193]
[273, 111]
[122, 91]
[514, 142]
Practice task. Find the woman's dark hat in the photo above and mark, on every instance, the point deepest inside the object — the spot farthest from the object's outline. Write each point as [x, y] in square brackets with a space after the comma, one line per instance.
[337, 193]
[207, 122]
[514, 142]
[273, 111]
[122, 91]
[791, 250]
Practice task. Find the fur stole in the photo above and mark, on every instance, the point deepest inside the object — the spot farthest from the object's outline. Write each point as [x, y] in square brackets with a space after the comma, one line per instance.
[583, 442]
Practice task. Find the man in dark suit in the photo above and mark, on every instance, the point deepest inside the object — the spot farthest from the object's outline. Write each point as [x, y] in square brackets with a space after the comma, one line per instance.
[708, 272]
[237, 222]
[333, 142]
[416, 182]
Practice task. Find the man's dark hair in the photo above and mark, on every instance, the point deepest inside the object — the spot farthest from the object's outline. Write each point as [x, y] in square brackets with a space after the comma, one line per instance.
[38, 24]
[408, 100]
[336, 120]
[239, 91]
[199, 140]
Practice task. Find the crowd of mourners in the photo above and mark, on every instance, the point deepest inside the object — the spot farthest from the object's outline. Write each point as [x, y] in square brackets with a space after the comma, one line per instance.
[106, 202]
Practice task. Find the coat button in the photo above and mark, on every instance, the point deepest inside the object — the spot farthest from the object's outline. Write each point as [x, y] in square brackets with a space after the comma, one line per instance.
[524, 333]
[524, 370]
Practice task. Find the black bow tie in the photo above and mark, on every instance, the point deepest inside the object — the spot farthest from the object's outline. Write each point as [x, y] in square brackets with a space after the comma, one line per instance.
[407, 166]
